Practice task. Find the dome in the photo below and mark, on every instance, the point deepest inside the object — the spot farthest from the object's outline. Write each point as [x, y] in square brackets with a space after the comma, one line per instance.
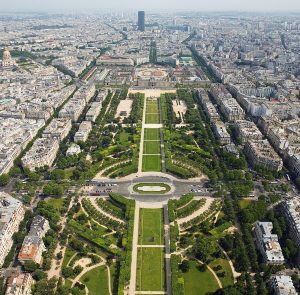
[6, 54]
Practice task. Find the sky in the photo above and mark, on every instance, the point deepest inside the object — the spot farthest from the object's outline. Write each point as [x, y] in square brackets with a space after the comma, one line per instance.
[151, 5]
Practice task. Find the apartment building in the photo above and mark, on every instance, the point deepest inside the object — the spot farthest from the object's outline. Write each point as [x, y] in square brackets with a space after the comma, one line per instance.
[231, 110]
[72, 109]
[219, 92]
[107, 60]
[59, 128]
[211, 111]
[42, 153]
[93, 111]
[282, 285]
[267, 243]
[86, 92]
[247, 130]
[11, 214]
[291, 211]
[101, 95]
[221, 133]
[33, 246]
[19, 284]
[260, 153]
[83, 132]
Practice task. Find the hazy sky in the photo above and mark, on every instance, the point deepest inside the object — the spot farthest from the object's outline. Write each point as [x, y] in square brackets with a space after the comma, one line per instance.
[215, 5]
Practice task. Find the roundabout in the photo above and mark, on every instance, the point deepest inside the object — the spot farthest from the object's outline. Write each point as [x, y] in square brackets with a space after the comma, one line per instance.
[149, 188]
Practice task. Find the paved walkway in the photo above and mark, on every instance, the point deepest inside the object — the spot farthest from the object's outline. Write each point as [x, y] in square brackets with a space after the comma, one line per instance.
[168, 251]
[213, 273]
[135, 239]
[56, 265]
[234, 272]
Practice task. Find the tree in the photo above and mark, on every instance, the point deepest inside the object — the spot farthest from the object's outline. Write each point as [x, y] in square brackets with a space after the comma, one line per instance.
[291, 248]
[39, 275]
[4, 179]
[58, 174]
[59, 255]
[30, 266]
[67, 272]
[53, 189]
[203, 248]
[185, 266]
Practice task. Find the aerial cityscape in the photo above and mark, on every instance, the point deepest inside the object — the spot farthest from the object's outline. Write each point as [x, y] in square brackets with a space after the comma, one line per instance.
[149, 151]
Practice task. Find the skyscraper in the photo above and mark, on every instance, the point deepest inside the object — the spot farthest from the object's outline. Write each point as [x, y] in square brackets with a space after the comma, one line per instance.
[141, 21]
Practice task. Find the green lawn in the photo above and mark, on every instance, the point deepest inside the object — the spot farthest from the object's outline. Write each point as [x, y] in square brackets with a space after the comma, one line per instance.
[244, 203]
[57, 203]
[152, 147]
[152, 134]
[96, 281]
[124, 136]
[151, 227]
[68, 255]
[151, 163]
[137, 187]
[152, 107]
[150, 270]
[227, 280]
[152, 119]
[197, 282]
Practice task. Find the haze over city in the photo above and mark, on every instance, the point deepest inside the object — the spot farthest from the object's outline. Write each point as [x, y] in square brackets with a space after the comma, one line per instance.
[155, 5]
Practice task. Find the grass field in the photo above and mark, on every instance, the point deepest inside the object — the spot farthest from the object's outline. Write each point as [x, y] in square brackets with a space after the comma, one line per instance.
[244, 203]
[150, 270]
[152, 119]
[96, 280]
[57, 203]
[137, 187]
[227, 280]
[151, 227]
[68, 255]
[151, 163]
[152, 134]
[197, 282]
[152, 107]
[152, 147]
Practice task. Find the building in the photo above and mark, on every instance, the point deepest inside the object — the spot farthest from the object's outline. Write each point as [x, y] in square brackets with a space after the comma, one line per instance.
[11, 214]
[42, 153]
[267, 243]
[83, 132]
[7, 61]
[221, 133]
[282, 285]
[141, 21]
[58, 128]
[108, 60]
[19, 284]
[33, 246]
[260, 153]
[231, 110]
[247, 130]
[93, 111]
[74, 149]
[291, 211]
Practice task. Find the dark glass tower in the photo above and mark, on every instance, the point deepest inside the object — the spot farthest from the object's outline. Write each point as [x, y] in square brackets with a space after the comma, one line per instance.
[141, 21]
